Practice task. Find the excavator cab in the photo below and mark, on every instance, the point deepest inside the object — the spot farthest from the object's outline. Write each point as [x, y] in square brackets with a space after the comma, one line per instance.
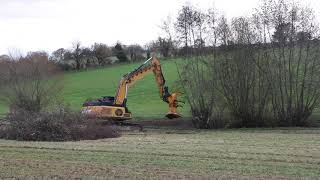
[104, 101]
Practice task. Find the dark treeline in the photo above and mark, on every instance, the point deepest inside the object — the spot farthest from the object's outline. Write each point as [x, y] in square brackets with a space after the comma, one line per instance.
[98, 55]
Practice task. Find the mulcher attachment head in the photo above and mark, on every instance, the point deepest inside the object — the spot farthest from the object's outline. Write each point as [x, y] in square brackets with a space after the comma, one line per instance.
[173, 115]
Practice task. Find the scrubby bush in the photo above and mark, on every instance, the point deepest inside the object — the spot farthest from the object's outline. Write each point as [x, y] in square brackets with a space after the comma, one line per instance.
[267, 65]
[31, 83]
[244, 86]
[199, 85]
[61, 124]
[32, 89]
[257, 86]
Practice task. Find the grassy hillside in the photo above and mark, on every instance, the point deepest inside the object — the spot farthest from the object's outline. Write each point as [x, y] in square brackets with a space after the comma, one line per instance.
[170, 154]
[3, 108]
[143, 97]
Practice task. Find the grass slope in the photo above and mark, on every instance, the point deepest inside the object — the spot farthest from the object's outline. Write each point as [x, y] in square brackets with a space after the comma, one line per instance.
[3, 108]
[170, 154]
[143, 97]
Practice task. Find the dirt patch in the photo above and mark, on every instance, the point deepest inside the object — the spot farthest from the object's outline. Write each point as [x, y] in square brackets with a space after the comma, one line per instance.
[176, 123]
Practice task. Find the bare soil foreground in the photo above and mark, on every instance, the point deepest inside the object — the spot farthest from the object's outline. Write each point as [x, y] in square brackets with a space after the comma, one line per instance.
[170, 153]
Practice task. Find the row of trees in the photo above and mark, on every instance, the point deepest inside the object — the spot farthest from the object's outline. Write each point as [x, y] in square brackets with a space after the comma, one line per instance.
[80, 57]
[265, 71]
[197, 31]
[99, 54]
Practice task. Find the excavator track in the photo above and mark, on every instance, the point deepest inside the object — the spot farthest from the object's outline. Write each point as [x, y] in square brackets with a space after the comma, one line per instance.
[129, 125]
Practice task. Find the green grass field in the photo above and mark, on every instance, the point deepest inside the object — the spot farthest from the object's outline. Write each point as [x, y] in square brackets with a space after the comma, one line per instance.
[170, 154]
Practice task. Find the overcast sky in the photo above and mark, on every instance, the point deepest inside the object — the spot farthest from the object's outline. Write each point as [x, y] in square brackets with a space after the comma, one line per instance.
[31, 25]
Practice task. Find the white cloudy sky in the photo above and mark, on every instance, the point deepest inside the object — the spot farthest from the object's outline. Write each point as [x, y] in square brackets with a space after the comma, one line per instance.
[31, 25]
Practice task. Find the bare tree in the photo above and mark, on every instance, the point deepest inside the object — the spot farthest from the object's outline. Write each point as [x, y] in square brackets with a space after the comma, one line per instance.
[28, 86]
[224, 31]
[200, 19]
[184, 23]
[166, 44]
[37, 56]
[212, 23]
[58, 55]
[242, 29]
[167, 28]
[198, 82]
[102, 52]
[88, 57]
[77, 54]
[135, 51]
[244, 86]
[191, 25]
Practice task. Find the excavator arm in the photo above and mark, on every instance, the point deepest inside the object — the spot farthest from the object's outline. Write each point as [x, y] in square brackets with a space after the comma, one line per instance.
[149, 66]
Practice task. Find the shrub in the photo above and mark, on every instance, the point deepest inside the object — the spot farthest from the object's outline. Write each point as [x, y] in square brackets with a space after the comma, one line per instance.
[32, 83]
[59, 125]
[244, 86]
[199, 85]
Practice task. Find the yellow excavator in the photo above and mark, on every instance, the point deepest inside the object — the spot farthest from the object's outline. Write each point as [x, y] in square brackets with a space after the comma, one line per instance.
[115, 108]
